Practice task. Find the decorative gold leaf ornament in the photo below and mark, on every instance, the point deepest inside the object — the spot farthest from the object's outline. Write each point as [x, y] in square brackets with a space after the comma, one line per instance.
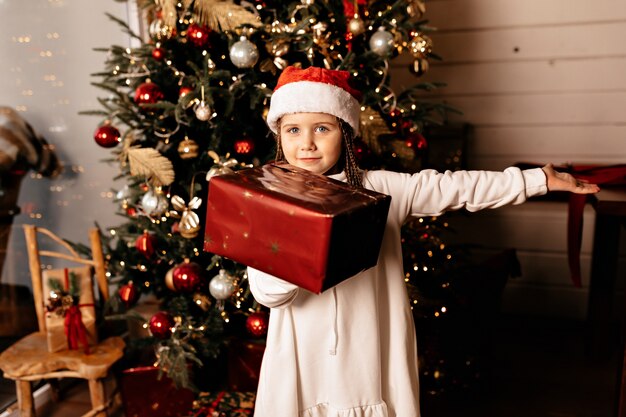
[220, 15]
[149, 163]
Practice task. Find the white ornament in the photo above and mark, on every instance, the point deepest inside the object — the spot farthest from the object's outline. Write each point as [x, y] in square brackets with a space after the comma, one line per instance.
[222, 285]
[154, 204]
[123, 194]
[381, 42]
[243, 53]
[203, 111]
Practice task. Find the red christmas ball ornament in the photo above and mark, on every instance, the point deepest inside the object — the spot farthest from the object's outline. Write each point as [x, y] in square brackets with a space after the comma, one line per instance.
[158, 53]
[131, 211]
[161, 325]
[186, 276]
[257, 322]
[244, 146]
[148, 93]
[184, 90]
[416, 141]
[198, 35]
[128, 294]
[145, 244]
[107, 136]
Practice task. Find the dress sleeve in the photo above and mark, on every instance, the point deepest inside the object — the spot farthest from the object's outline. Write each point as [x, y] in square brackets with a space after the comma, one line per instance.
[270, 291]
[431, 193]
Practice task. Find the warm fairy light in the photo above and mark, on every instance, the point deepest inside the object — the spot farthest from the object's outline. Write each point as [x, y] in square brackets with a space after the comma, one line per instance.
[443, 309]
[436, 314]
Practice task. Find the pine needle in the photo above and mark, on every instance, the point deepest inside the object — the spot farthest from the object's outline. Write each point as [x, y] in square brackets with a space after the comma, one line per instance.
[149, 163]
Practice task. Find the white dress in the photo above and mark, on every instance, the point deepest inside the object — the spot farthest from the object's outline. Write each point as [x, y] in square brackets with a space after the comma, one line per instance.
[351, 351]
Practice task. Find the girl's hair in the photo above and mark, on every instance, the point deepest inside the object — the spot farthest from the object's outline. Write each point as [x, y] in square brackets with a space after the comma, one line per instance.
[347, 161]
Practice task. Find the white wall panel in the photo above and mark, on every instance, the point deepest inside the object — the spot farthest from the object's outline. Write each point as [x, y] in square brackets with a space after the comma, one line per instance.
[458, 15]
[539, 81]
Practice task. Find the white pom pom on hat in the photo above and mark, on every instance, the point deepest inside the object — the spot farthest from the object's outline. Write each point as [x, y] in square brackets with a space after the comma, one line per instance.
[315, 90]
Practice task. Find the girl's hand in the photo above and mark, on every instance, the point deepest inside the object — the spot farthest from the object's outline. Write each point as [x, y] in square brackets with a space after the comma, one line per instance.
[561, 181]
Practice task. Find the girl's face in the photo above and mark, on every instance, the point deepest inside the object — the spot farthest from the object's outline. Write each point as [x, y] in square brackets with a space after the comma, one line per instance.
[312, 141]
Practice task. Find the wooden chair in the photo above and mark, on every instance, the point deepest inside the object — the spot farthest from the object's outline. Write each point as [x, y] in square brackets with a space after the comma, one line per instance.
[29, 360]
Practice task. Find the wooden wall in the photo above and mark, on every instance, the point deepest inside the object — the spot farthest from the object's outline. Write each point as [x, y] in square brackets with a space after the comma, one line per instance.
[539, 81]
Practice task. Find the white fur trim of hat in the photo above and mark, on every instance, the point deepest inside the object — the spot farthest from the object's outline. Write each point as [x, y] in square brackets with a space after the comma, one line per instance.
[313, 97]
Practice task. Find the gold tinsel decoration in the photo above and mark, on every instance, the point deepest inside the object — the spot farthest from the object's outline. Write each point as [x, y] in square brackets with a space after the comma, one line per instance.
[373, 126]
[221, 15]
[149, 163]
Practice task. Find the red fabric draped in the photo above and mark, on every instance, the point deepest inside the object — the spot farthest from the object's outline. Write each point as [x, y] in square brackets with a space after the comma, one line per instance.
[607, 175]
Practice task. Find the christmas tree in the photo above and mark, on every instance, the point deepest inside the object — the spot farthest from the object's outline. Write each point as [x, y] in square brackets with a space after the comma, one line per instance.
[189, 103]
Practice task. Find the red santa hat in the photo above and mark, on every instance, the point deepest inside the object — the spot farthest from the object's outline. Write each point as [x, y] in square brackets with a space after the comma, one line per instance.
[315, 90]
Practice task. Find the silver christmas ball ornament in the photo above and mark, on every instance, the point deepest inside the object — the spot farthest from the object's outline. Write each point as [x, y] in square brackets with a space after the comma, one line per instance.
[153, 203]
[381, 42]
[222, 285]
[203, 111]
[243, 53]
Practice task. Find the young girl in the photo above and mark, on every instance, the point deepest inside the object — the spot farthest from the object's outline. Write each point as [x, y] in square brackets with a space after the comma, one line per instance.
[351, 351]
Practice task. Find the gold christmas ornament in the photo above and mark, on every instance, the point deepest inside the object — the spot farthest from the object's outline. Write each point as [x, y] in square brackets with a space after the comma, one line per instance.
[421, 46]
[222, 165]
[372, 127]
[416, 8]
[169, 279]
[150, 164]
[188, 149]
[159, 30]
[419, 66]
[202, 301]
[189, 224]
[356, 26]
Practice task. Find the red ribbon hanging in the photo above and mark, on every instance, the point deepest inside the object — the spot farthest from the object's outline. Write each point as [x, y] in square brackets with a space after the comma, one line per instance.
[608, 175]
[75, 330]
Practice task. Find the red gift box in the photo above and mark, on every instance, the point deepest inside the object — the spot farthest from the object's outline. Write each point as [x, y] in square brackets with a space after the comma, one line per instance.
[145, 395]
[305, 228]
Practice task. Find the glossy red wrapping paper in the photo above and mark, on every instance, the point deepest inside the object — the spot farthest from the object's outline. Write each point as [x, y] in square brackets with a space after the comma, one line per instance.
[305, 228]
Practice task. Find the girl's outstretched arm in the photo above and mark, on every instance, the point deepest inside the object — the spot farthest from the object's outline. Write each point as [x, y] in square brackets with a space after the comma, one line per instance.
[561, 181]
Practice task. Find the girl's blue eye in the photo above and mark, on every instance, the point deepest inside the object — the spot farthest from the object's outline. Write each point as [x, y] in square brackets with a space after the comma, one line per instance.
[292, 130]
[322, 128]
